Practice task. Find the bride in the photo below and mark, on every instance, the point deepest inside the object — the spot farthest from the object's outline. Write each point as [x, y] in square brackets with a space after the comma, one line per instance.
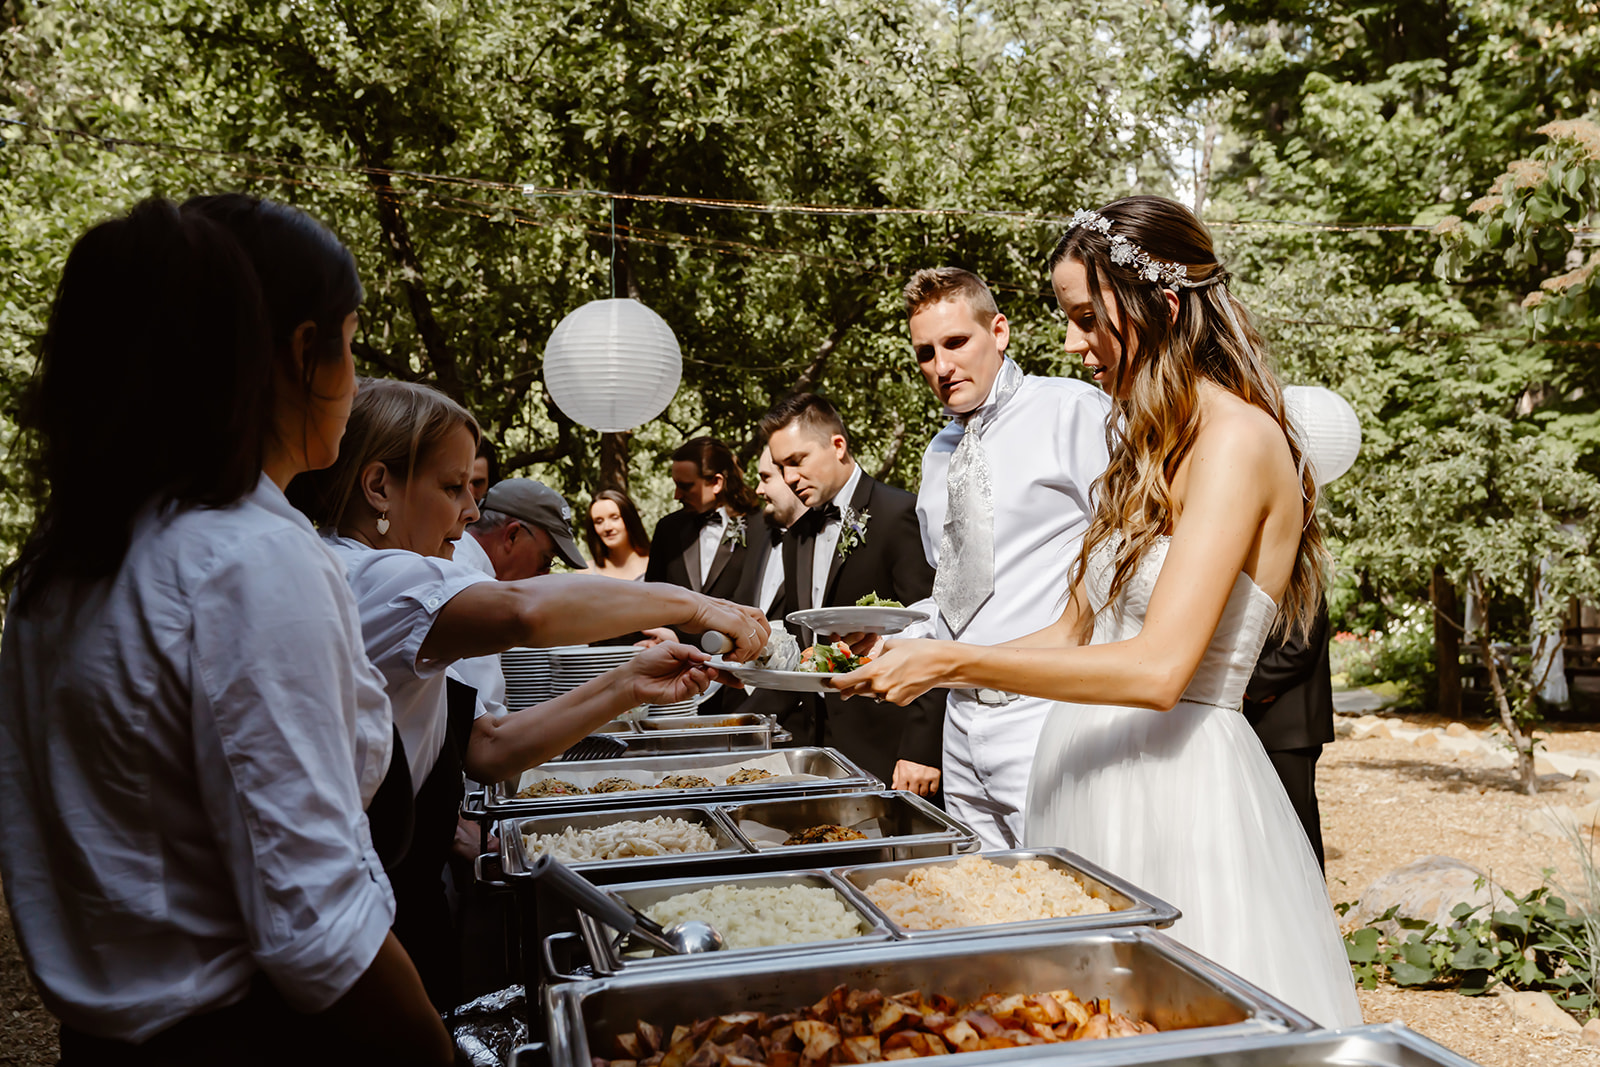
[1204, 539]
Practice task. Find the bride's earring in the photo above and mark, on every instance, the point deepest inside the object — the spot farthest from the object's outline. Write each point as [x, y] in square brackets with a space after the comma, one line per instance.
[383, 524]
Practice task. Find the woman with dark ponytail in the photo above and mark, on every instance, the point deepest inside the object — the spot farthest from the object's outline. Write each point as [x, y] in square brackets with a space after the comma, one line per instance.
[182, 681]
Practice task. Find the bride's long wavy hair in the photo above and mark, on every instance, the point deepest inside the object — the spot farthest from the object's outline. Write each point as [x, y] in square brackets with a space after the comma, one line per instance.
[1155, 411]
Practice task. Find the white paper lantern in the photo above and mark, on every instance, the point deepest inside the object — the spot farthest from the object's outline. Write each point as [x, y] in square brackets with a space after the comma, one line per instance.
[612, 365]
[1329, 431]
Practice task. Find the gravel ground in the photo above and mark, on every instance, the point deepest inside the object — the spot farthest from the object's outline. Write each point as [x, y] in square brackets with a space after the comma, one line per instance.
[1384, 803]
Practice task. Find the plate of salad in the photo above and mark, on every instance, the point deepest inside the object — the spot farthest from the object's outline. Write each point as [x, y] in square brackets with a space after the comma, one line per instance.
[871, 614]
[810, 673]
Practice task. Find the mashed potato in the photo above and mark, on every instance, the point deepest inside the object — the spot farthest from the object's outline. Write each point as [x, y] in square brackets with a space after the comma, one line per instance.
[756, 916]
[973, 891]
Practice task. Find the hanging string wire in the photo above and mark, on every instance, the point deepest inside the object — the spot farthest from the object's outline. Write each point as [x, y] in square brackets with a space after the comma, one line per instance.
[500, 214]
[1023, 217]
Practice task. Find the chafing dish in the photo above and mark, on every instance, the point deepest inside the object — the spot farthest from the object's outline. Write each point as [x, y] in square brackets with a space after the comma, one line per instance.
[607, 957]
[910, 827]
[1143, 972]
[1389, 1045]
[907, 827]
[1130, 905]
[515, 857]
[833, 773]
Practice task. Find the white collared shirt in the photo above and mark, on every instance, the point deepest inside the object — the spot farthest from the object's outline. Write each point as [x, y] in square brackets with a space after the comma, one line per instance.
[483, 673]
[828, 538]
[177, 791]
[771, 575]
[399, 595]
[1046, 446]
[710, 540]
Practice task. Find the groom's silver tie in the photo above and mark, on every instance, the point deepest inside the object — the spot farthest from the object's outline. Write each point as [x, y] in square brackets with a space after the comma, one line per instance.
[965, 578]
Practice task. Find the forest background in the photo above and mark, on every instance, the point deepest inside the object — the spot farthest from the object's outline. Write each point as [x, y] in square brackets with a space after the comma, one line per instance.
[1383, 180]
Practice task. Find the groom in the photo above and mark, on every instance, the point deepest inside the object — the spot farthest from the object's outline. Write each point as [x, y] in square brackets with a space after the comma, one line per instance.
[1003, 506]
[859, 536]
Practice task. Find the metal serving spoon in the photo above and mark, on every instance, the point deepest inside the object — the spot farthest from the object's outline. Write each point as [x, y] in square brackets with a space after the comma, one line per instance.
[680, 939]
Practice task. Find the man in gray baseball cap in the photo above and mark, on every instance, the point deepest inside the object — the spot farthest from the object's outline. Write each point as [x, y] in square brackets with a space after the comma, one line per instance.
[523, 526]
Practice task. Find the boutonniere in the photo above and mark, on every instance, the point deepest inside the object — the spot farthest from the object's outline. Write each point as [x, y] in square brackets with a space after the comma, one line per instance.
[736, 532]
[852, 529]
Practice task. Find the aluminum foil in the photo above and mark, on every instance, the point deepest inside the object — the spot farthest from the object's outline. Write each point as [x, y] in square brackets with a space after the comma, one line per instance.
[487, 1029]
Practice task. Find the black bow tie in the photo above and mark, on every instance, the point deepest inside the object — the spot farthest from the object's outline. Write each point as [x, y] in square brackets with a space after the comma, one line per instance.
[707, 518]
[775, 534]
[817, 518]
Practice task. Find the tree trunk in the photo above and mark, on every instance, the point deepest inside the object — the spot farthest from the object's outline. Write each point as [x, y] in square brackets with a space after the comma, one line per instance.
[1520, 742]
[614, 460]
[1446, 644]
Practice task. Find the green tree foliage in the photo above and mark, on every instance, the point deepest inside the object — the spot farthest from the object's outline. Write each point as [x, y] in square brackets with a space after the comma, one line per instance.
[355, 110]
[1398, 115]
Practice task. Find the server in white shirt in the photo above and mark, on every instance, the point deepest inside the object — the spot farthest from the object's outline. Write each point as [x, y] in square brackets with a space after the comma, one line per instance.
[183, 694]
[1006, 485]
[393, 508]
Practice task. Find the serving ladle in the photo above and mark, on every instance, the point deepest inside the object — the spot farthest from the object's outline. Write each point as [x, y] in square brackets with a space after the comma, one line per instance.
[680, 939]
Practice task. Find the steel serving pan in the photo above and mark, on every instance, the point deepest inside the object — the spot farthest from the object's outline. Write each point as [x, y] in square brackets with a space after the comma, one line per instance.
[1142, 971]
[1130, 905]
[515, 858]
[835, 773]
[1389, 1045]
[911, 827]
[606, 957]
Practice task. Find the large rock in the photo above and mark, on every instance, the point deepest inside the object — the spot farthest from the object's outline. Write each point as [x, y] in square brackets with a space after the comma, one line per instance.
[1426, 890]
[1539, 1009]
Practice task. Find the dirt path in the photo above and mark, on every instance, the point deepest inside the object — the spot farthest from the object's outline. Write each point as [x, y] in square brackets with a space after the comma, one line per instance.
[1386, 803]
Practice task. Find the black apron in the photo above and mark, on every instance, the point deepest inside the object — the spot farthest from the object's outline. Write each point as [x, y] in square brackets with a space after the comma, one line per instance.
[259, 1031]
[422, 919]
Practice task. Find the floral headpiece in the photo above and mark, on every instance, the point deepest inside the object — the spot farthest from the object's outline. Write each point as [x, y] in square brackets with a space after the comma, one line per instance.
[1124, 253]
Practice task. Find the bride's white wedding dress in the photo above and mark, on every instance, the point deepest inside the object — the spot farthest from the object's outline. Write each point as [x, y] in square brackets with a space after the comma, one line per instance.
[1186, 805]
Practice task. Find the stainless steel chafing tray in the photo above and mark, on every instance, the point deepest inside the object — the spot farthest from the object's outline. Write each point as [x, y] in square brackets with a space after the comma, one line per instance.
[911, 827]
[833, 773]
[1390, 1045]
[1143, 972]
[1130, 905]
[607, 957]
[908, 826]
[515, 858]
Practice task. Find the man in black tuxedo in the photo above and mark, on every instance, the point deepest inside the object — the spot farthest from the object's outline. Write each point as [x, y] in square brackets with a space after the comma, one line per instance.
[1289, 702]
[762, 587]
[859, 536]
[702, 546]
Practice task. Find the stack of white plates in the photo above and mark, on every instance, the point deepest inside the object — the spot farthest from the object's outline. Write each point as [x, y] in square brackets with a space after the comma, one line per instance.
[682, 707]
[528, 677]
[573, 665]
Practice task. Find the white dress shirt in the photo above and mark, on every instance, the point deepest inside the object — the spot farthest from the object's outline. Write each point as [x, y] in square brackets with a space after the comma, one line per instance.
[1046, 446]
[483, 673]
[828, 538]
[771, 576]
[710, 540]
[176, 786]
[399, 595]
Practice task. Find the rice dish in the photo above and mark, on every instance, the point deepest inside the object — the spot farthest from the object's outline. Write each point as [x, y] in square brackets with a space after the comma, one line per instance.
[973, 892]
[660, 836]
[683, 781]
[748, 775]
[756, 916]
[550, 787]
[614, 785]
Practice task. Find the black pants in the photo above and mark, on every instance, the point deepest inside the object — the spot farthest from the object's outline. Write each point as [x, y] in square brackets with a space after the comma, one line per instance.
[259, 1031]
[1297, 769]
